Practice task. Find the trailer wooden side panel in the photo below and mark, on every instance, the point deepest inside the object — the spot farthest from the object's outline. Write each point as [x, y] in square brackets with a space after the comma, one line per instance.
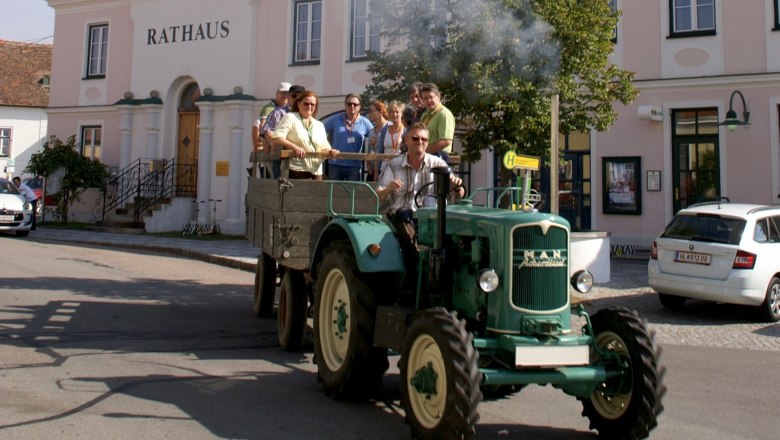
[285, 218]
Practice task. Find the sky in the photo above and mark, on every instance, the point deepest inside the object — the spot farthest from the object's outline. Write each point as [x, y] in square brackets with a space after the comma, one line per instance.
[29, 21]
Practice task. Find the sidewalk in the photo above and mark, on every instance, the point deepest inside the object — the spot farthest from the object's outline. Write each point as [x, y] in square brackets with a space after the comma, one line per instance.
[238, 254]
[241, 254]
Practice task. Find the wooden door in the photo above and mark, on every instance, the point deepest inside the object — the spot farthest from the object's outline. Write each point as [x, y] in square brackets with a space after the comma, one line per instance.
[187, 154]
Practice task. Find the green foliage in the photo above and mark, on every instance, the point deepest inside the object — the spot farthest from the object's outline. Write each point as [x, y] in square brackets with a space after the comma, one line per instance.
[61, 161]
[498, 62]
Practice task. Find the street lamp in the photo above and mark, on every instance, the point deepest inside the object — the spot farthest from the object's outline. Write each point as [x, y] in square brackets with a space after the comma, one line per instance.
[731, 120]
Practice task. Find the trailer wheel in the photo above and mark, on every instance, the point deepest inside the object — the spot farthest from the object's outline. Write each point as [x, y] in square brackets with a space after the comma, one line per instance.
[348, 365]
[627, 405]
[440, 377]
[265, 285]
[291, 316]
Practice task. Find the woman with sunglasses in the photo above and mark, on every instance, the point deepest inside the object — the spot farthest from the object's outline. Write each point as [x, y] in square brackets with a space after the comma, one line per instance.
[300, 132]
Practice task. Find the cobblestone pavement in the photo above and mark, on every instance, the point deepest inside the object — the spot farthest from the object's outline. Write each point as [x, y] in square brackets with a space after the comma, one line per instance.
[700, 323]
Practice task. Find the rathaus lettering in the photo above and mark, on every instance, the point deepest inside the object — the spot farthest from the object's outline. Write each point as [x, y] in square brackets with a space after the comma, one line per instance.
[188, 32]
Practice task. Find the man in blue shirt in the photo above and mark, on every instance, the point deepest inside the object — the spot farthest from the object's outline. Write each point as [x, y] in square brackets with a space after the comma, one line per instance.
[346, 133]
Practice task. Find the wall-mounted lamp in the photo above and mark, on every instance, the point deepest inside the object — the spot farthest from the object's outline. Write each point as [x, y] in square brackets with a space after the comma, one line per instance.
[650, 113]
[731, 120]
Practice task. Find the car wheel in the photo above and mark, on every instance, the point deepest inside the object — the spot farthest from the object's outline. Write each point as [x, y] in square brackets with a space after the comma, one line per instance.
[770, 309]
[672, 302]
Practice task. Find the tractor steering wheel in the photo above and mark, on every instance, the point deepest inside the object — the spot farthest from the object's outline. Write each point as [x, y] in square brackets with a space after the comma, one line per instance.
[421, 195]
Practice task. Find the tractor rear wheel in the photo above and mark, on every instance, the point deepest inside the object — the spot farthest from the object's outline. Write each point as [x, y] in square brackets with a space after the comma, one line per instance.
[625, 406]
[348, 365]
[291, 317]
[440, 377]
[265, 285]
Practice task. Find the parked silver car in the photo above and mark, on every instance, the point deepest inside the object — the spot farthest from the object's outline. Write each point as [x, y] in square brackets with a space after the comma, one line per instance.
[15, 212]
[720, 251]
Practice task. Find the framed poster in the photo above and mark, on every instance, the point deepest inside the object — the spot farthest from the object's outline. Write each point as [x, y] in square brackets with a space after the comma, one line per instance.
[654, 180]
[622, 185]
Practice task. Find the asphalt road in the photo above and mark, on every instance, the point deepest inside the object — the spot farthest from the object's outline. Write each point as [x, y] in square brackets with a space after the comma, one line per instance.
[97, 343]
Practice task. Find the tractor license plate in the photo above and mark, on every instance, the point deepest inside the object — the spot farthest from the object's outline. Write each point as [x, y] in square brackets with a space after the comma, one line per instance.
[692, 257]
[552, 356]
[6, 218]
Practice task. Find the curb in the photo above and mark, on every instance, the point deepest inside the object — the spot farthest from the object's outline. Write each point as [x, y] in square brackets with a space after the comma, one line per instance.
[188, 253]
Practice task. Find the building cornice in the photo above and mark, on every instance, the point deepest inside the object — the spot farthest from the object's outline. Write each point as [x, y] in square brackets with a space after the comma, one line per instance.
[708, 82]
[86, 5]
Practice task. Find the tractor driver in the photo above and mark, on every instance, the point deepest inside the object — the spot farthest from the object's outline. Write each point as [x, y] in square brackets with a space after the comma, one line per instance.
[402, 177]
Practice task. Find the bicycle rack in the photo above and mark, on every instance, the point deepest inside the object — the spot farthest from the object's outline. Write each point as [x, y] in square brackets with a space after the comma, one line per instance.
[212, 227]
[193, 228]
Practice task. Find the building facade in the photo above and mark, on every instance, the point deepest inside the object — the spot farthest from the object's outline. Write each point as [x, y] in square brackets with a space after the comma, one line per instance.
[24, 95]
[183, 80]
[694, 61]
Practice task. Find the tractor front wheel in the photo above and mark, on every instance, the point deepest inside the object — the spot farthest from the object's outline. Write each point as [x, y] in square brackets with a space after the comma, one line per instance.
[440, 377]
[626, 405]
[348, 364]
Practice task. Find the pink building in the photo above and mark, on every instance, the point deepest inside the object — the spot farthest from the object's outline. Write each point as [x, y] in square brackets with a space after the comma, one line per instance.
[183, 80]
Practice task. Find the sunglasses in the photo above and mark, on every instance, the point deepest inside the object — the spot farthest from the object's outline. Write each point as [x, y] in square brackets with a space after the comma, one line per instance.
[353, 104]
[418, 139]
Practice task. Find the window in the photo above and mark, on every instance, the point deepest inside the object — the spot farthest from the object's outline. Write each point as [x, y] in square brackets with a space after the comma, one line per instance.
[767, 230]
[91, 138]
[365, 30]
[613, 7]
[97, 51]
[308, 31]
[5, 142]
[692, 17]
[777, 16]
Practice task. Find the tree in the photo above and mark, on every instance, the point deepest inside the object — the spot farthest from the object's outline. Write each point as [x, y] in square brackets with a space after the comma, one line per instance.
[77, 172]
[498, 63]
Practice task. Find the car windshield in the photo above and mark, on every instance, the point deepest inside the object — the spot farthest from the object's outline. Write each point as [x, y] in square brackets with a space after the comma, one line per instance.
[703, 227]
[6, 187]
[34, 182]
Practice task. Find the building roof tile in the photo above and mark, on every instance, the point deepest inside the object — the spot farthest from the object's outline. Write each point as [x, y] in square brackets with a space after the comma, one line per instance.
[24, 69]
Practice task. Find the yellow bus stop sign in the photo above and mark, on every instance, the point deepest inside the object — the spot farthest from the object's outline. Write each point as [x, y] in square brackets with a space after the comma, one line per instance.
[513, 160]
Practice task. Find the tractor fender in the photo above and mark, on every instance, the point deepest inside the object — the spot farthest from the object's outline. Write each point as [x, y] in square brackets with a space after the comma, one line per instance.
[361, 234]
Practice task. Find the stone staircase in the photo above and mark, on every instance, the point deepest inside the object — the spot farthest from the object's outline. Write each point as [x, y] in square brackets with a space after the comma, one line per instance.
[121, 220]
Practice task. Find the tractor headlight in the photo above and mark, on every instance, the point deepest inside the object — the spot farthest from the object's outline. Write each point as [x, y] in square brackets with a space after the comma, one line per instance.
[488, 280]
[582, 281]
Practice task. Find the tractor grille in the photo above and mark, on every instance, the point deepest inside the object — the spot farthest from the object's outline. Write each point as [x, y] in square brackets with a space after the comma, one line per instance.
[540, 267]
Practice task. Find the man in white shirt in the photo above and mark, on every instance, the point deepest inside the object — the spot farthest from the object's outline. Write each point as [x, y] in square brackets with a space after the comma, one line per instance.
[29, 195]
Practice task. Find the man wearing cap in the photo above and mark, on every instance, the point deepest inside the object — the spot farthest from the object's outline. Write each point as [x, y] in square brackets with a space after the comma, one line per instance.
[279, 100]
[267, 130]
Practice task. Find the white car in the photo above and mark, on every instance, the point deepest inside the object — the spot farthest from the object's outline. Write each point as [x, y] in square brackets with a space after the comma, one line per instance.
[15, 212]
[720, 251]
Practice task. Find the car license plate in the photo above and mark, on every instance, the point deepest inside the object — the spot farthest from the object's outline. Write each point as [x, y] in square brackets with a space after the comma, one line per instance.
[692, 257]
[6, 218]
[552, 356]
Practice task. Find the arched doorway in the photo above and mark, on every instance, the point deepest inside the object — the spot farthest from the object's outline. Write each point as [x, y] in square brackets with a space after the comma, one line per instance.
[187, 141]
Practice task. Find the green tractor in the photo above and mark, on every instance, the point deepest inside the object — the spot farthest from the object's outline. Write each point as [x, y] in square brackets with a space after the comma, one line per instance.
[488, 311]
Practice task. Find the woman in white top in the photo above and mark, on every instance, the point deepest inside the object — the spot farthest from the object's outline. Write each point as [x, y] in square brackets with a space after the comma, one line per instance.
[300, 132]
[393, 139]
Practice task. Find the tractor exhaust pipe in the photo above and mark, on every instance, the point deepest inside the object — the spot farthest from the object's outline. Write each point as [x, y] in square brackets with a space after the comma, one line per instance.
[441, 184]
